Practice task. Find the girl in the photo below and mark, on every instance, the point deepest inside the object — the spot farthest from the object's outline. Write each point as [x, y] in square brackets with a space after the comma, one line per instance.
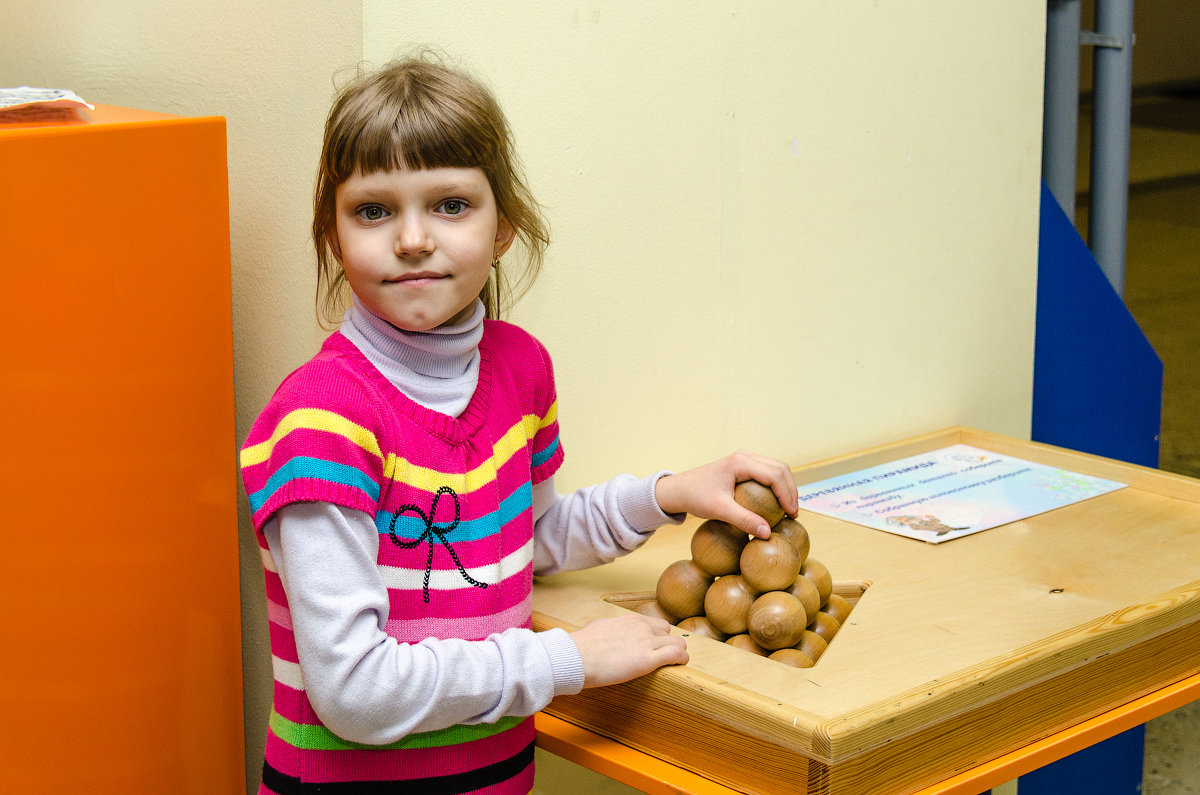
[401, 481]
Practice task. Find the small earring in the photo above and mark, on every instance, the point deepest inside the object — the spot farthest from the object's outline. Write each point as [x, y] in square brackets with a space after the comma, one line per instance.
[495, 260]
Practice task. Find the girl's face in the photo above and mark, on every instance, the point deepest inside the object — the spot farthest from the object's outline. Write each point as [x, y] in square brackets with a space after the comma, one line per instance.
[417, 245]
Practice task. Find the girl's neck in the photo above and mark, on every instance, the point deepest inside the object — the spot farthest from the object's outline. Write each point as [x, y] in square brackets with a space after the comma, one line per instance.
[438, 368]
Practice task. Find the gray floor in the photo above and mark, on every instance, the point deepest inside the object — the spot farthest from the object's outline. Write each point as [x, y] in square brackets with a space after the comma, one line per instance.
[1162, 291]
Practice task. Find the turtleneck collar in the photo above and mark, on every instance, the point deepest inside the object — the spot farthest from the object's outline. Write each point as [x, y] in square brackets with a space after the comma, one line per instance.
[439, 368]
[442, 352]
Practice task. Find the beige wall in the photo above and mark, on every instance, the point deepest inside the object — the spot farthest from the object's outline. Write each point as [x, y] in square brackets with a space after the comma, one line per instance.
[800, 228]
[796, 227]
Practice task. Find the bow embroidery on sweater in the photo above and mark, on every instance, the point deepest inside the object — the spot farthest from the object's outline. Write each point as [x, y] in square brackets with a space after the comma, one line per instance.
[431, 531]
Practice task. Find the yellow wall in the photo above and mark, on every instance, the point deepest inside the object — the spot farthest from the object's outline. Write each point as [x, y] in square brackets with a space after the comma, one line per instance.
[800, 228]
[796, 227]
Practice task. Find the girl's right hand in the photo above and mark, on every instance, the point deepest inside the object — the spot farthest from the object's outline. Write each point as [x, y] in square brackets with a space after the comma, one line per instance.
[618, 649]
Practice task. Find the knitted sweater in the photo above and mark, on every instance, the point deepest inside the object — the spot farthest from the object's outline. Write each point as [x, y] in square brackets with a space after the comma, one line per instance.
[451, 502]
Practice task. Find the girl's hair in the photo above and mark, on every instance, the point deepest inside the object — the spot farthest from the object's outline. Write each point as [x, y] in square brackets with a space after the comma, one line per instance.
[419, 113]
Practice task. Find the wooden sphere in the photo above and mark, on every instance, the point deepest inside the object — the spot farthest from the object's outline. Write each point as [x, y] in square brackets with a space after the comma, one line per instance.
[746, 643]
[803, 589]
[812, 644]
[794, 531]
[825, 625]
[754, 496]
[681, 589]
[816, 571]
[655, 610]
[769, 564]
[717, 547]
[700, 625]
[793, 657]
[727, 603]
[838, 607]
[776, 620]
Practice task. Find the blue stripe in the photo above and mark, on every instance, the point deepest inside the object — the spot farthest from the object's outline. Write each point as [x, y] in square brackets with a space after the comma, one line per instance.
[304, 467]
[410, 526]
[546, 454]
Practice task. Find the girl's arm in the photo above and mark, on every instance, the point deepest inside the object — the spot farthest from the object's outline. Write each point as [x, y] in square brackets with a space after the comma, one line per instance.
[366, 686]
[594, 525]
[599, 523]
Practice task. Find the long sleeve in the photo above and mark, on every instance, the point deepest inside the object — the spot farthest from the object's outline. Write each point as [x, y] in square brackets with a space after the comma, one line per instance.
[594, 525]
[366, 686]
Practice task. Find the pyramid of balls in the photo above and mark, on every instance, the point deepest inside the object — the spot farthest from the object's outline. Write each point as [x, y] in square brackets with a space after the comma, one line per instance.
[766, 596]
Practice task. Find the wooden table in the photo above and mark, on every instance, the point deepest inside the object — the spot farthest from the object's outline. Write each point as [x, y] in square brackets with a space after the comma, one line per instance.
[656, 777]
[964, 665]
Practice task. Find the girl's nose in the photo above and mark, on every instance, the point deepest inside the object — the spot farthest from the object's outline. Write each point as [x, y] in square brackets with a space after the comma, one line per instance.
[413, 237]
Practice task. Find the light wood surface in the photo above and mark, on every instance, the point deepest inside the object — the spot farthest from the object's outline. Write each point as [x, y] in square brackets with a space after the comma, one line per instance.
[652, 775]
[954, 652]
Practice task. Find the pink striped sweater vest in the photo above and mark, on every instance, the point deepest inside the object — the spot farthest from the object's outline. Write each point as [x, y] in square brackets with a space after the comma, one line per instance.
[452, 500]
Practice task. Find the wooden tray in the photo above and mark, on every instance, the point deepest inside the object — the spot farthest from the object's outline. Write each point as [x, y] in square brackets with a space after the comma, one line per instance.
[955, 653]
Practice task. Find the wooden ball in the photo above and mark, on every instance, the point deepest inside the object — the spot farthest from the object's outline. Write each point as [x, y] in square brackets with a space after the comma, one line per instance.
[812, 644]
[769, 564]
[825, 626]
[727, 603]
[700, 625]
[717, 547]
[681, 589]
[754, 496]
[794, 531]
[816, 571]
[838, 607]
[746, 643]
[793, 657]
[803, 589]
[776, 620]
[655, 610]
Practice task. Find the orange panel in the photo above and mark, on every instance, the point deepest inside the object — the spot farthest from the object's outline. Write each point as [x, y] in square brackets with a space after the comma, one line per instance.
[121, 668]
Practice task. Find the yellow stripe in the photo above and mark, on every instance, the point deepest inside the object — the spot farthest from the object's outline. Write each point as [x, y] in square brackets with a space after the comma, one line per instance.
[314, 419]
[506, 447]
[550, 417]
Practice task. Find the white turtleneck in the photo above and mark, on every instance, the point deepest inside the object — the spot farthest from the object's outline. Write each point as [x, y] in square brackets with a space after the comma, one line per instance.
[437, 368]
[365, 686]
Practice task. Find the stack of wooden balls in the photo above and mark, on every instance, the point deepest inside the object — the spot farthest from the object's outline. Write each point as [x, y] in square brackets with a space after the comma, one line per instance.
[766, 596]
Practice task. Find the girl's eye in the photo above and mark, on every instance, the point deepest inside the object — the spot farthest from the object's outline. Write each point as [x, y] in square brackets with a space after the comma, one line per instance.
[452, 207]
[372, 212]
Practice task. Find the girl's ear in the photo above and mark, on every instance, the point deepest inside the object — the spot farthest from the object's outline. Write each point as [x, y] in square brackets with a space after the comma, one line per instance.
[334, 245]
[504, 237]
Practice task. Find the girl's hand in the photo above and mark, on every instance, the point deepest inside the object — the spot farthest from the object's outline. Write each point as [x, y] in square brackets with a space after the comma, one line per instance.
[615, 650]
[707, 491]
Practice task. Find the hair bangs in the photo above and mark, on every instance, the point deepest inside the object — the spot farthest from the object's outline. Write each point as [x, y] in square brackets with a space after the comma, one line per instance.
[411, 134]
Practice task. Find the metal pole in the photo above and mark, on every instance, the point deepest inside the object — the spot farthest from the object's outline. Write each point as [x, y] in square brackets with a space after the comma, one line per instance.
[1060, 125]
[1112, 86]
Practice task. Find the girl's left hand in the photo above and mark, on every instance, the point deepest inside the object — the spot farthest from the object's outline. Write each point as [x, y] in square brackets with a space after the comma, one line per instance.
[707, 491]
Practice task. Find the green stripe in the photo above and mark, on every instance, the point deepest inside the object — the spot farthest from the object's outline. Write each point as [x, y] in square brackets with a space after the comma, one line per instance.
[300, 735]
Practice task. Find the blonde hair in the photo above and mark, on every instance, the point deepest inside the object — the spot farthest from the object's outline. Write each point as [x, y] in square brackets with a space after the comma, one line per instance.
[419, 113]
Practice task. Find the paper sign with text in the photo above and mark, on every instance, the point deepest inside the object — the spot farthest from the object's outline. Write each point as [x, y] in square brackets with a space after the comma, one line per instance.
[949, 493]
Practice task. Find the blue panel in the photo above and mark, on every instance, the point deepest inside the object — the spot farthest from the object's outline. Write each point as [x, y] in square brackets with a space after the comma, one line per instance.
[1112, 766]
[1097, 383]
[1097, 387]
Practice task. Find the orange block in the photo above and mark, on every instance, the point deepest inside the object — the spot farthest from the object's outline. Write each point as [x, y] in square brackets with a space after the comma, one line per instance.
[120, 668]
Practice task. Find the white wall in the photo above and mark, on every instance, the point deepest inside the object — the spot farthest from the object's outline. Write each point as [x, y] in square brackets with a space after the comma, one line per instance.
[800, 228]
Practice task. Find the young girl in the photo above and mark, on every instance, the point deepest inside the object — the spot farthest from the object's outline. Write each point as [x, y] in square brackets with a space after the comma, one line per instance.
[401, 481]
